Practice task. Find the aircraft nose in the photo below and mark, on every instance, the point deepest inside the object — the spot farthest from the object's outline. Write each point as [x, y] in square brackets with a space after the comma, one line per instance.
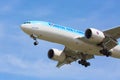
[23, 27]
[26, 28]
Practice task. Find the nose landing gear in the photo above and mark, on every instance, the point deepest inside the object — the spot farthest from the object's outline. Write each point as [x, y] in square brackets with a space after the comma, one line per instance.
[34, 37]
[36, 43]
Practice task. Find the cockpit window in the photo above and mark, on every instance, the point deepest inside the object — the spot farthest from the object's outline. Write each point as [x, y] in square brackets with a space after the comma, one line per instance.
[27, 22]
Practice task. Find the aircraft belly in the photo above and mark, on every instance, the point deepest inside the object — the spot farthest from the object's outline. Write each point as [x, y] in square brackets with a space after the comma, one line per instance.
[85, 48]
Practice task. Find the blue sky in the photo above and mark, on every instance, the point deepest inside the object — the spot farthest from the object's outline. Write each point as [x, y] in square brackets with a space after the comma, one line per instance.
[20, 60]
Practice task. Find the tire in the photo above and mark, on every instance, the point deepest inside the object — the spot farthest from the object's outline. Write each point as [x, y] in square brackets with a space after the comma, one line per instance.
[35, 43]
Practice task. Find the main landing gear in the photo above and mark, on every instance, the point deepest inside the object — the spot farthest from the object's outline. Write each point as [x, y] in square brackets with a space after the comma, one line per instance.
[84, 62]
[105, 52]
[34, 38]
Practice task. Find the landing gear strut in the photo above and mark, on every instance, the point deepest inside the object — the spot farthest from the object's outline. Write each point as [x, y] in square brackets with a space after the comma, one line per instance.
[34, 38]
[84, 63]
[105, 52]
[83, 60]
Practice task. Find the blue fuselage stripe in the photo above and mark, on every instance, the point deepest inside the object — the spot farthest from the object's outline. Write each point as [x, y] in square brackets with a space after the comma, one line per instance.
[66, 29]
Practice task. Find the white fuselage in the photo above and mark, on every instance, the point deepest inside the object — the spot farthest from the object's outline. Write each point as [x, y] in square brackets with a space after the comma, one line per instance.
[65, 37]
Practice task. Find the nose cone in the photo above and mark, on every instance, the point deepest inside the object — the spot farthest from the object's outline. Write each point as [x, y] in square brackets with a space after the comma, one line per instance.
[22, 27]
[25, 28]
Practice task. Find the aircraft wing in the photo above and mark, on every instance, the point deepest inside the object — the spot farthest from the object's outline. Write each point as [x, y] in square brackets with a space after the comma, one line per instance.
[72, 56]
[110, 41]
[114, 33]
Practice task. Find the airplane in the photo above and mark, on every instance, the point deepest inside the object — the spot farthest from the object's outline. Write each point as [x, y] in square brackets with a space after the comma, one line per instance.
[79, 46]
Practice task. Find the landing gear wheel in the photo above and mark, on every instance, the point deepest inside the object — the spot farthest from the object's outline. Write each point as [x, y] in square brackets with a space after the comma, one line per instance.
[36, 43]
[87, 64]
[79, 62]
[105, 52]
[34, 37]
[108, 54]
[84, 63]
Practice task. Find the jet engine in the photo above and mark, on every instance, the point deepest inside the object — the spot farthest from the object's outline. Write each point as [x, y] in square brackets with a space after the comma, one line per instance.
[94, 35]
[57, 55]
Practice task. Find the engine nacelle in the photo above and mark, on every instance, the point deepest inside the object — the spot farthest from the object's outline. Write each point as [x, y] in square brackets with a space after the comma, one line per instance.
[94, 35]
[56, 55]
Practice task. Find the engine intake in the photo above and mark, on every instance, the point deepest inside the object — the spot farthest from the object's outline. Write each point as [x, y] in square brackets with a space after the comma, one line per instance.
[50, 53]
[94, 35]
[56, 55]
[88, 33]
